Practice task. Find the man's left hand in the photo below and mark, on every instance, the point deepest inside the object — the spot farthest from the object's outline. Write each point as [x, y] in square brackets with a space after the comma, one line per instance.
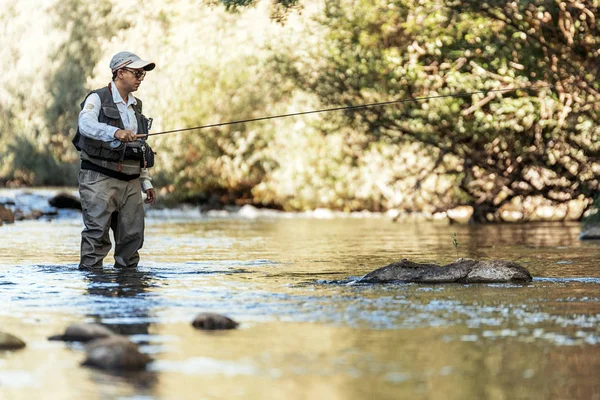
[150, 196]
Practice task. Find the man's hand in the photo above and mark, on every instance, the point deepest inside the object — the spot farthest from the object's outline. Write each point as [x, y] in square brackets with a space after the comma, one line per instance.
[150, 196]
[126, 135]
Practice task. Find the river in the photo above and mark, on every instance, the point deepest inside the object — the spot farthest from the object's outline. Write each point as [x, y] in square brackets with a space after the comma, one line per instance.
[308, 331]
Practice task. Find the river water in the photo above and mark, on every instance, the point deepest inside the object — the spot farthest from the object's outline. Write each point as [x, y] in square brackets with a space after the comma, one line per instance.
[307, 329]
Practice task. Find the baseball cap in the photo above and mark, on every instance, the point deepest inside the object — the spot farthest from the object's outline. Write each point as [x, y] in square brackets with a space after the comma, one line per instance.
[128, 59]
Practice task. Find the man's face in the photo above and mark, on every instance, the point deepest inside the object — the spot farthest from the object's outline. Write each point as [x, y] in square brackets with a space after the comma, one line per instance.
[132, 78]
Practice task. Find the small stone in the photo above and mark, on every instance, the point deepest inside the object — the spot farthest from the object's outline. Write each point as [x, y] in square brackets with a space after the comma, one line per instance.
[83, 332]
[34, 214]
[10, 342]
[115, 353]
[210, 321]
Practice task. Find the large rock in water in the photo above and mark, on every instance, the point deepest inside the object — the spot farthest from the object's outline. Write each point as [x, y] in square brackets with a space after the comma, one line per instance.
[463, 270]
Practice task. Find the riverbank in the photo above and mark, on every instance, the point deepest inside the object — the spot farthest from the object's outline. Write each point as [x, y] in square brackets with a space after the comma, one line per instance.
[34, 203]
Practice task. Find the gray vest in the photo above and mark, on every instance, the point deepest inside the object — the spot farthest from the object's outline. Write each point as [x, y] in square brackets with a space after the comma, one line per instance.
[101, 153]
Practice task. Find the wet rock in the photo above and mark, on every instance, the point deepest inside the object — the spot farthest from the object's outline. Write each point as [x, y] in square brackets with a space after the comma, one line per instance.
[10, 342]
[115, 353]
[6, 215]
[34, 214]
[21, 215]
[65, 200]
[210, 321]
[83, 332]
[462, 270]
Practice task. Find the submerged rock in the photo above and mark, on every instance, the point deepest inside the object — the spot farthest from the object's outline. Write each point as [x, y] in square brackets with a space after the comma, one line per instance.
[462, 270]
[115, 353]
[83, 332]
[10, 342]
[210, 321]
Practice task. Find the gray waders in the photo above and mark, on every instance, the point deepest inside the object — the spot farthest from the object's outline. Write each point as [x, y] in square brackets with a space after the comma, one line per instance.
[110, 203]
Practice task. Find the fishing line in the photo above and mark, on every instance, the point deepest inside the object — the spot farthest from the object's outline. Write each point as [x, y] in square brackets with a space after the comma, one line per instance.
[351, 107]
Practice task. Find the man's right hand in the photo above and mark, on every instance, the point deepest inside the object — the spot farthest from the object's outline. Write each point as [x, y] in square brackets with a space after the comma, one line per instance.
[125, 135]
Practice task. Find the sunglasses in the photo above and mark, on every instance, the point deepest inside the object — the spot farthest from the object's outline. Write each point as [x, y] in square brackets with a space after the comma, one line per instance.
[139, 74]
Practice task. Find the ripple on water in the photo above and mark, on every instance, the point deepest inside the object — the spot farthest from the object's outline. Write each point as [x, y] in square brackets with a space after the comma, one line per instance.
[567, 280]
[207, 366]
[305, 272]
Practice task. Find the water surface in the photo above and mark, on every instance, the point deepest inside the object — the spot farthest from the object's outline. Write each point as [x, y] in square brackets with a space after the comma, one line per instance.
[307, 329]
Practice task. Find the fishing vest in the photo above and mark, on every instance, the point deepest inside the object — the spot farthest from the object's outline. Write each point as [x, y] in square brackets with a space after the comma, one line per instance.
[124, 161]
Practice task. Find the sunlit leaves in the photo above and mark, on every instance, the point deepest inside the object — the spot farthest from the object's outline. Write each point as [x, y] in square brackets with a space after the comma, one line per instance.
[381, 50]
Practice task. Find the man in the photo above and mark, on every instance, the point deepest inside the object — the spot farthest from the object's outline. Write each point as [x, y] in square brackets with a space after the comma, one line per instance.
[114, 166]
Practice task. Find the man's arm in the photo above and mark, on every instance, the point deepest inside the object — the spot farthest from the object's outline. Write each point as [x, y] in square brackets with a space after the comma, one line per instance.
[90, 127]
[147, 188]
[88, 121]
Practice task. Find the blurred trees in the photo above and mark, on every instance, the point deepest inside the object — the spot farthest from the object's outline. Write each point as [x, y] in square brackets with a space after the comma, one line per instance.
[45, 83]
[497, 148]
[493, 150]
[86, 25]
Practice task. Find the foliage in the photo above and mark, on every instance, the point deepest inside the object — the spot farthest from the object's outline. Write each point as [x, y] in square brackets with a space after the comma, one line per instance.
[28, 161]
[43, 90]
[280, 9]
[221, 165]
[222, 61]
[494, 146]
[86, 24]
[593, 219]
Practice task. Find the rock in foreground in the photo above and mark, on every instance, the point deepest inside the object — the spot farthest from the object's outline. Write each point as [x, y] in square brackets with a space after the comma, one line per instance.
[10, 342]
[210, 321]
[462, 270]
[115, 353]
[83, 332]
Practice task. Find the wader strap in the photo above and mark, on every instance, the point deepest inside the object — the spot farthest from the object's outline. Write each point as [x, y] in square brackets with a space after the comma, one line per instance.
[85, 164]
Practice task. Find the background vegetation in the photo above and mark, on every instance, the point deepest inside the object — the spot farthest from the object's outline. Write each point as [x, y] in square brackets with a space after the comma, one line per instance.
[504, 154]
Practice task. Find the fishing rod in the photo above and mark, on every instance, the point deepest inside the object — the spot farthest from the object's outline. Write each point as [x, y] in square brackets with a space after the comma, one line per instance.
[351, 107]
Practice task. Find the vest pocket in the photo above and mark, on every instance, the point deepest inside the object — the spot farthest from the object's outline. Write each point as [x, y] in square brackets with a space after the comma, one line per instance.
[111, 112]
[103, 150]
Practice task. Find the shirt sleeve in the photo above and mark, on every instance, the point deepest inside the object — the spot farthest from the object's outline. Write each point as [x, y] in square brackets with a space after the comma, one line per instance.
[88, 121]
[145, 179]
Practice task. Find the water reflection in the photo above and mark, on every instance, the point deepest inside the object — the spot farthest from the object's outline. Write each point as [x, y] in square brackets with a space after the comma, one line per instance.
[119, 300]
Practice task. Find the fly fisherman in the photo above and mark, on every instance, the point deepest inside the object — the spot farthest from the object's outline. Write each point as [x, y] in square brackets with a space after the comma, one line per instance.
[114, 165]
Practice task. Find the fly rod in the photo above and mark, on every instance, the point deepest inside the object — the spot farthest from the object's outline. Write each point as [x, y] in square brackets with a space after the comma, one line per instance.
[351, 107]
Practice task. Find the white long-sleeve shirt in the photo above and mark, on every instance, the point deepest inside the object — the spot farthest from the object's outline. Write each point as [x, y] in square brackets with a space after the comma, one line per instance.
[90, 127]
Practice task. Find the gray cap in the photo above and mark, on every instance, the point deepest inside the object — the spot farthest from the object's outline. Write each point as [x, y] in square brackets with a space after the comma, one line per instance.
[129, 60]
